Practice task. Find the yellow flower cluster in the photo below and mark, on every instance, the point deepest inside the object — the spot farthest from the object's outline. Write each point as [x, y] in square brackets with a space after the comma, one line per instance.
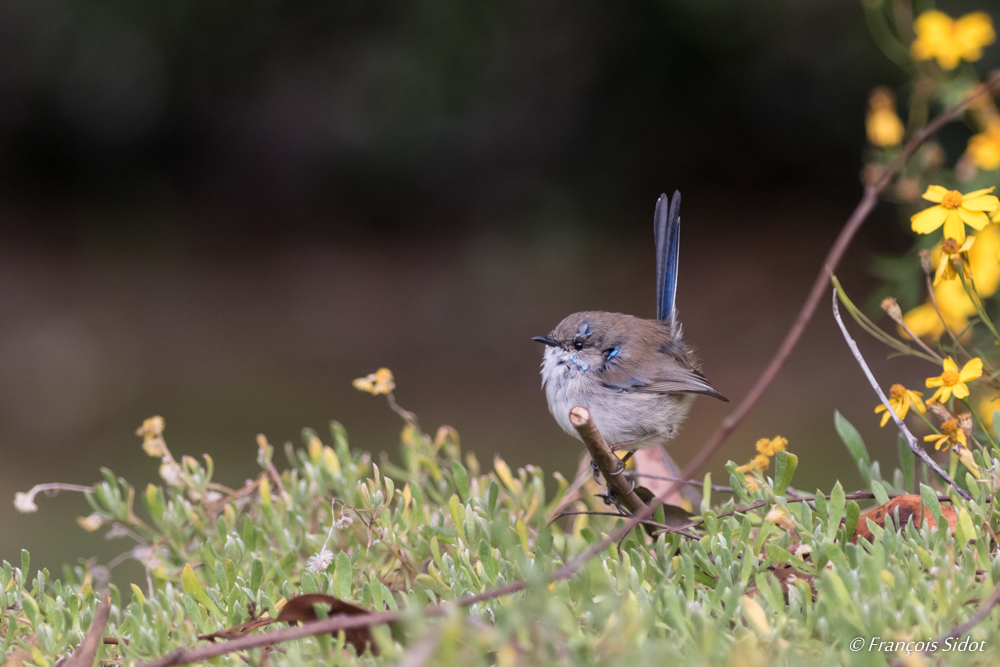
[152, 436]
[882, 125]
[952, 301]
[900, 400]
[766, 448]
[379, 382]
[950, 41]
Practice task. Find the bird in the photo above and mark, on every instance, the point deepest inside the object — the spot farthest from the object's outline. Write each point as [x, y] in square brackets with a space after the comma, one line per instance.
[636, 376]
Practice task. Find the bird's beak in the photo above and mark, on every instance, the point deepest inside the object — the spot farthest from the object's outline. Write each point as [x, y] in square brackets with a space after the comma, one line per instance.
[548, 341]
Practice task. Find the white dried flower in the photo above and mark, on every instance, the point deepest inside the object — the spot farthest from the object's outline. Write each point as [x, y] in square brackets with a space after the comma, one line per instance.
[343, 522]
[171, 473]
[319, 562]
[25, 502]
[117, 530]
[90, 523]
[802, 550]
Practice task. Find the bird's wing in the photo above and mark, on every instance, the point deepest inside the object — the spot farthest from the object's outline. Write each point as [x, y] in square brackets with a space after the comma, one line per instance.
[663, 374]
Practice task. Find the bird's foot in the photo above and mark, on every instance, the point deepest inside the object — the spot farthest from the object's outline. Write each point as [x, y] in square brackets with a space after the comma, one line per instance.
[610, 498]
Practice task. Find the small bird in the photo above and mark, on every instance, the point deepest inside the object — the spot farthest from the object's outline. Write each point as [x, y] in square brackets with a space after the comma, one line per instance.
[637, 377]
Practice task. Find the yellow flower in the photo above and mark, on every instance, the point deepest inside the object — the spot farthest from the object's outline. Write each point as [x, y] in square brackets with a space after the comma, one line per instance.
[984, 148]
[882, 124]
[759, 462]
[152, 436]
[955, 210]
[950, 432]
[900, 399]
[951, 254]
[771, 446]
[379, 382]
[952, 381]
[949, 41]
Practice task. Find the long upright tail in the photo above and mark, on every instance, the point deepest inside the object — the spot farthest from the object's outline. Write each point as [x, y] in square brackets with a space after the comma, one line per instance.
[667, 234]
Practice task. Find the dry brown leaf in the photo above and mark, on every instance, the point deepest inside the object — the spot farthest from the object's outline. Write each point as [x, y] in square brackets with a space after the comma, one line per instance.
[301, 609]
[909, 506]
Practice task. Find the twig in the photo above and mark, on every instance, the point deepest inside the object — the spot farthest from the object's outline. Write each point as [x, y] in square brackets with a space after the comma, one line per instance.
[422, 649]
[689, 482]
[609, 464]
[951, 334]
[914, 446]
[85, 653]
[857, 495]
[984, 610]
[833, 257]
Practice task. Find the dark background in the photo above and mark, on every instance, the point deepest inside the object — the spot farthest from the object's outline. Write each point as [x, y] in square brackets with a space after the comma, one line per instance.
[223, 212]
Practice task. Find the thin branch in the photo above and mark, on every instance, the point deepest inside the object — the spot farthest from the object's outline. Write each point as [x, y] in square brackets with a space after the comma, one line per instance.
[857, 495]
[689, 482]
[420, 651]
[85, 653]
[919, 451]
[951, 334]
[960, 630]
[610, 465]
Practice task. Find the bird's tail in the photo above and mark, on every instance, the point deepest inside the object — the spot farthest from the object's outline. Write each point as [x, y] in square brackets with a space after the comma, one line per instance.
[667, 234]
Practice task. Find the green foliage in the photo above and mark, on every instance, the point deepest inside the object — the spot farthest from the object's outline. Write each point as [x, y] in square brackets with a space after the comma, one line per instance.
[435, 529]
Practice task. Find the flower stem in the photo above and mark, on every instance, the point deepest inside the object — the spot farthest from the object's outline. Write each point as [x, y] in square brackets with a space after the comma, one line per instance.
[977, 302]
[928, 422]
[982, 426]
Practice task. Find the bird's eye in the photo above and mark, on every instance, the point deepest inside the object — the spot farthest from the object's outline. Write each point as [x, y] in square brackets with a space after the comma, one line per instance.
[578, 345]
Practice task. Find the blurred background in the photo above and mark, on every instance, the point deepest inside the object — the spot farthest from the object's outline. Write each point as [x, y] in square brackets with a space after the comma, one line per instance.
[224, 212]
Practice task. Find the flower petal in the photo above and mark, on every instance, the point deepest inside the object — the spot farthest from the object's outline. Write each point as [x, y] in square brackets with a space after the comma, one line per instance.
[935, 382]
[977, 193]
[949, 364]
[975, 219]
[984, 203]
[954, 227]
[885, 419]
[929, 219]
[935, 193]
[960, 390]
[972, 370]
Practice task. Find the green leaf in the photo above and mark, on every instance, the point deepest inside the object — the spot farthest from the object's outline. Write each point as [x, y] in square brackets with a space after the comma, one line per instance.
[494, 493]
[256, 574]
[490, 567]
[855, 445]
[785, 465]
[996, 421]
[25, 564]
[965, 530]
[343, 577]
[907, 462]
[881, 496]
[778, 554]
[461, 480]
[192, 586]
[835, 509]
[851, 522]
[929, 496]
